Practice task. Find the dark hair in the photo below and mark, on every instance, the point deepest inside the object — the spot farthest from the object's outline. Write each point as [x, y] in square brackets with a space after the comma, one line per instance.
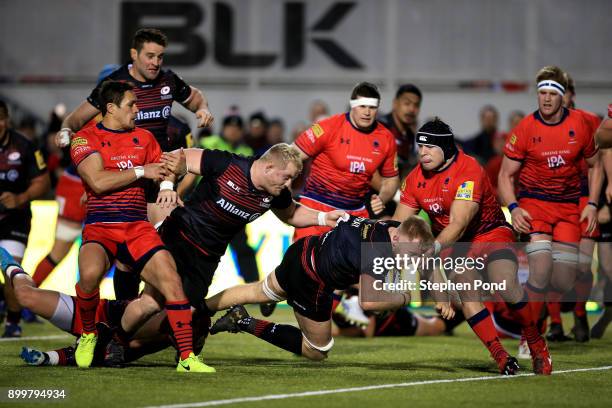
[259, 116]
[233, 120]
[409, 88]
[489, 108]
[365, 89]
[145, 35]
[112, 92]
[4, 107]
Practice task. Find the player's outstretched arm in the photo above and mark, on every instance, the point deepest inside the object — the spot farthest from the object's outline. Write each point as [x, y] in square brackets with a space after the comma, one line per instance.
[74, 122]
[606, 159]
[300, 216]
[385, 300]
[101, 181]
[183, 161]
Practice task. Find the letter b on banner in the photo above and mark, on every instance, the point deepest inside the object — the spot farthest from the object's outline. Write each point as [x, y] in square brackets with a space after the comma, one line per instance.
[193, 48]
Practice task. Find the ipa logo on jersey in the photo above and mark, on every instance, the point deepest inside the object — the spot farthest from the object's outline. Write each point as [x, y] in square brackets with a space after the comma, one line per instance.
[555, 161]
[465, 191]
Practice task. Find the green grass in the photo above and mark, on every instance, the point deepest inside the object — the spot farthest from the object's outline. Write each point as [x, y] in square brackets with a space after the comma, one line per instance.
[248, 367]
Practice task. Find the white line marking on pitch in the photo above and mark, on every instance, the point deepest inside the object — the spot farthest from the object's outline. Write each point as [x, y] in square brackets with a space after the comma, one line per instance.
[53, 337]
[367, 388]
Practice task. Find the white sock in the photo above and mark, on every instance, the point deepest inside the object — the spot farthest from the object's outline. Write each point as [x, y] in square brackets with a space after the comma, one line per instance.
[53, 358]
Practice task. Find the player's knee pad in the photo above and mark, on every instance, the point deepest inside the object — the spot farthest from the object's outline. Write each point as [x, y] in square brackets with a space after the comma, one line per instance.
[560, 255]
[538, 247]
[66, 233]
[323, 349]
[269, 292]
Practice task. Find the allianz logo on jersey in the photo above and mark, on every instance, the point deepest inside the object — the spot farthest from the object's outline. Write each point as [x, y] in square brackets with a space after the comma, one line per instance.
[232, 209]
[153, 114]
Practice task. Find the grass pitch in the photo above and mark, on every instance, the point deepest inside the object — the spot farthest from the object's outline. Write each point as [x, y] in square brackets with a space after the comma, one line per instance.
[248, 367]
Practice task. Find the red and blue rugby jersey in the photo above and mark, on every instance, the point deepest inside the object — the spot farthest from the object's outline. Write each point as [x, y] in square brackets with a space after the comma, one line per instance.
[120, 150]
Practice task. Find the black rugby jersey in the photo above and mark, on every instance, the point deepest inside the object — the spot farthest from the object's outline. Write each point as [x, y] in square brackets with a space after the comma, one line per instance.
[224, 202]
[338, 253]
[20, 162]
[154, 100]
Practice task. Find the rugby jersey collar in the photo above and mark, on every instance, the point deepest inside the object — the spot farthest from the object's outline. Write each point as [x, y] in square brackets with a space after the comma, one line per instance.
[100, 126]
[367, 131]
[538, 117]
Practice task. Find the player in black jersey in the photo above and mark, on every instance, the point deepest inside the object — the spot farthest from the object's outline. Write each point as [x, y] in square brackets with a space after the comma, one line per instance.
[156, 90]
[311, 269]
[23, 178]
[233, 192]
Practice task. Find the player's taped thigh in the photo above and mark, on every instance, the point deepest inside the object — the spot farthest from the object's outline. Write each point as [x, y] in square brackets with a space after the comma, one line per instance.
[269, 292]
[564, 256]
[322, 349]
[64, 313]
[65, 232]
[538, 247]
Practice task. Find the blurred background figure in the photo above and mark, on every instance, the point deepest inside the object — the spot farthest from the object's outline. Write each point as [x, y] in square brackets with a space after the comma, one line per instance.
[276, 131]
[499, 139]
[481, 145]
[256, 134]
[318, 110]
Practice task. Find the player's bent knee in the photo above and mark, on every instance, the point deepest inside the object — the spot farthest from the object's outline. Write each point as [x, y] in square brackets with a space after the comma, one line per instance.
[26, 296]
[314, 352]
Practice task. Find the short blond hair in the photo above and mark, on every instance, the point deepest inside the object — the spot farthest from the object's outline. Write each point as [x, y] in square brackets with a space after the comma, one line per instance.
[283, 154]
[552, 72]
[415, 227]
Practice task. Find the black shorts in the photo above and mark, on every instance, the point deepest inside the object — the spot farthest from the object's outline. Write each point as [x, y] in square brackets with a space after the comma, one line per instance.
[402, 322]
[306, 292]
[15, 226]
[195, 268]
[151, 190]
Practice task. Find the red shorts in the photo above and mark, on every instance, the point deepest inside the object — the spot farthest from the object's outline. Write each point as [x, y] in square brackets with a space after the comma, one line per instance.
[68, 195]
[561, 220]
[132, 243]
[584, 224]
[316, 230]
[500, 238]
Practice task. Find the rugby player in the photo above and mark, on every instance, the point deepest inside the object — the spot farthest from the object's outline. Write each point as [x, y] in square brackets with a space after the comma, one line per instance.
[23, 178]
[111, 157]
[584, 281]
[547, 148]
[311, 269]
[156, 89]
[346, 150]
[455, 192]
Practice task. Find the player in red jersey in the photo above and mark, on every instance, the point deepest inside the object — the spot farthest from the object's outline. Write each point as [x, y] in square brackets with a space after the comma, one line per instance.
[156, 90]
[454, 190]
[111, 158]
[584, 281]
[547, 148]
[346, 150]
